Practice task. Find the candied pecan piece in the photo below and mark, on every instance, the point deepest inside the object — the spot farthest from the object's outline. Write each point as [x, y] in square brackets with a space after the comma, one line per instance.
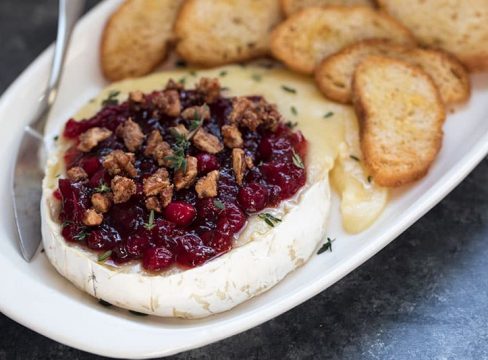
[209, 88]
[232, 136]
[76, 174]
[196, 113]
[238, 164]
[92, 137]
[101, 202]
[207, 185]
[166, 196]
[157, 148]
[207, 142]
[251, 114]
[123, 188]
[156, 183]
[92, 218]
[119, 162]
[152, 203]
[168, 102]
[179, 129]
[136, 96]
[131, 133]
[173, 85]
[185, 179]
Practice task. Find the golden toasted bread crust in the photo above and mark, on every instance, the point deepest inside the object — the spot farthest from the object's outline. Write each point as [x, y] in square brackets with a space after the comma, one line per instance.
[333, 75]
[458, 26]
[218, 32]
[290, 7]
[310, 35]
[400, 123]
[136, 36]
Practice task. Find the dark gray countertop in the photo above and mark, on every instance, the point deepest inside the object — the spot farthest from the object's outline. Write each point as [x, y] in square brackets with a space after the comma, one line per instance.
[425, 296]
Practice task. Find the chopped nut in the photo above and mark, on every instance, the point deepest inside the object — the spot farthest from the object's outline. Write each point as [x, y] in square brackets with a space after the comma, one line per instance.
[157, 148]
[249, 162]
[238, 164]
[136, 96]
[77, 174]
[209, 88]
[131, 133]
[92, 137]
[251, 114]
[168, 102]
[123, 188]
[173, 85]
[152, 203]
[196, 113]
[119, 162]
[183, 180]
[92, 218]
[166, 196]
[207, 185]
[101, 202]
[179, 129]
[207, 142]
[232, 136]
[156, 183]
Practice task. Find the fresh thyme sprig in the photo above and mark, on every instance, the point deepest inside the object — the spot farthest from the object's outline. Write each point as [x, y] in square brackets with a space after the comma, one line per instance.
[328, 115]
[150, 223]
[219, 204]
[326, 246]
[269, 219]
[289, 89]
[104, 256]
[111, 98]
[102, 188]
[297, 160]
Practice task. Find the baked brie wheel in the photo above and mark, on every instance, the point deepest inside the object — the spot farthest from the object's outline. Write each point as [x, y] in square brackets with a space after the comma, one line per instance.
[187, 202]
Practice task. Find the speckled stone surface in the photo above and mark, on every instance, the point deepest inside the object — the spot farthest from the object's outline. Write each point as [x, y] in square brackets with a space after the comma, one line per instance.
[425, 296]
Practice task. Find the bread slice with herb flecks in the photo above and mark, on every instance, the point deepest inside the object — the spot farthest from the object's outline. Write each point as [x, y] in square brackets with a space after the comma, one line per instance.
[334, 74]
[217, 32]
[401, 116]
[307, 37]
[290, 7]
[458, 26]
[136, 36]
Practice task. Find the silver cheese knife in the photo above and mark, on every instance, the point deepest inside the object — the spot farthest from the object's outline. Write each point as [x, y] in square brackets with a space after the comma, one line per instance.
[29, 166]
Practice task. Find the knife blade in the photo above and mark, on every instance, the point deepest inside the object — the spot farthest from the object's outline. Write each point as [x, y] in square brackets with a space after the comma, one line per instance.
[28, 169]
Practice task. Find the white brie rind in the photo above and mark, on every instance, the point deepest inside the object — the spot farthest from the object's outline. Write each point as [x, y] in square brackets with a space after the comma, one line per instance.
[263, 255]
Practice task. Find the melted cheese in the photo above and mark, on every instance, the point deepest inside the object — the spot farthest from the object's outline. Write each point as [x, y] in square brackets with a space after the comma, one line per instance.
[262, 255]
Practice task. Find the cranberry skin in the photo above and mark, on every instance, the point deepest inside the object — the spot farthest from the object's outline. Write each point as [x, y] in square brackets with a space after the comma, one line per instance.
[120, 254]
[206, 163]
[192, 252]
[90, 164]
[287, 176]
[157, 259]
[72, 156]
[99, 178]
[74, 199]
[231, 220]
[70, 232]
[206, 209]
[162, 232]
[127, 218]
[136, 244]
[180, 213]
[103, 238]
[253, 197]
[218, 241]
[57, 194]
[299, 143]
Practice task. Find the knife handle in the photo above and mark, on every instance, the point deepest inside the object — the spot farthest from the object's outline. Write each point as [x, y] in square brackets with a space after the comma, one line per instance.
[69, 13]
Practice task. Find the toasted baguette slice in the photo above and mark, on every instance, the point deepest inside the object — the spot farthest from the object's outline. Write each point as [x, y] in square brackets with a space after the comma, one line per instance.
[401, 116]
[334, 74]
[216, 32]
[458, 26]
[135, 38]
[290, 7]
[307, 37]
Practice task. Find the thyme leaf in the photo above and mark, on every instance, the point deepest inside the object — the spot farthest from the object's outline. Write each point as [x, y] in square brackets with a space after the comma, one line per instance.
[354, 157]
[111, 98]
[104, 256]
[102, 188]
[326, 246]
[219, 204]
[150, 224]
[289, 89]
[328, 115]
[294, 110]
[269, 219]
[297, 160]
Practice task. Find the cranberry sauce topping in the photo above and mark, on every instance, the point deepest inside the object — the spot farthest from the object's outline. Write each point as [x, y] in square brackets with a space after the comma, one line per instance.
[171, 176]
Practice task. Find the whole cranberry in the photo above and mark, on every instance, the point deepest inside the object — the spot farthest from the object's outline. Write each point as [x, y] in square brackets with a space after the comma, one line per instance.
[157, 259]
[231, 219]
[120, 254]
[218, 241]
[90, 164]
[253, 197]
[191, 251]
[207, 210]
[136, 244]
[207, 163]
[180, 213]
[162, 232]
[103, 238]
